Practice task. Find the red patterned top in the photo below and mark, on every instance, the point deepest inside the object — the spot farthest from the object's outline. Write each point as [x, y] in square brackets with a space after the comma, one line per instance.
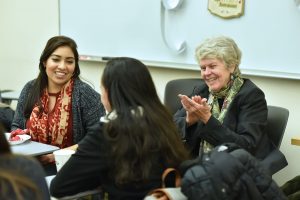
[54, 127]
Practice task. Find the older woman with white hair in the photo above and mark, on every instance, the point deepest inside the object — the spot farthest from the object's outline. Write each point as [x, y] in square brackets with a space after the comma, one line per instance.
[226, 108]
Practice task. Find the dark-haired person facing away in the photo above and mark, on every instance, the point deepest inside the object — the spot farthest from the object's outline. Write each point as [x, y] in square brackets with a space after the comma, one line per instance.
[57, 107]
[129, 149]
[21, 177]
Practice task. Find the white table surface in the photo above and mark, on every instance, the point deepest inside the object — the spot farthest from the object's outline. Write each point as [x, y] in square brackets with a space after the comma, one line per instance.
[13, 95]
[33, 148]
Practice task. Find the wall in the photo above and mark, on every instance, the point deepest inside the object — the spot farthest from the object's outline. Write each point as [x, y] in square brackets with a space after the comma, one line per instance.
[27, 25]
[138, 29]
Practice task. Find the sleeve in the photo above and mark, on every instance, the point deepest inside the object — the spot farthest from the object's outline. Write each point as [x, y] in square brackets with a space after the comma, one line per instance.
[180, 116]
[190, 135]
[84, 169]
[179, 119]
[19, 120]
[92, 108]
[95, 109]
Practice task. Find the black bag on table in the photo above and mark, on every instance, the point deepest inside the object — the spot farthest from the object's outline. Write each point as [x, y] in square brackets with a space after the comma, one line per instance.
[228, 173]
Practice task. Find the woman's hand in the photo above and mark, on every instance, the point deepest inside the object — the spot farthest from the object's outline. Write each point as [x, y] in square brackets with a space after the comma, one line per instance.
[18, 131]
[196, 108]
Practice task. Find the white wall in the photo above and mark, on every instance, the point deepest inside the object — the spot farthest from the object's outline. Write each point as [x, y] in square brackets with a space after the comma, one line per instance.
[27, 25]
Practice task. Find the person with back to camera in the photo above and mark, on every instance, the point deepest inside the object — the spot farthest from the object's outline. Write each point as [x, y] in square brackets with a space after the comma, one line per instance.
[226, 108]
[57, 107]
[21, 177]
[133, 144]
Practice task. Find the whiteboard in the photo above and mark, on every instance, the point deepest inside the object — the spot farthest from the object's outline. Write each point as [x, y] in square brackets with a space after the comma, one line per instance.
[268, 33]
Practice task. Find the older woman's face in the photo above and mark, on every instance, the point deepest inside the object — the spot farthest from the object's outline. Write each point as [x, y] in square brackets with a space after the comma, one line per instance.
[215, 74]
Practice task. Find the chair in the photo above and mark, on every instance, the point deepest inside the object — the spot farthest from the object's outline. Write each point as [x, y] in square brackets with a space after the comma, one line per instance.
[277, 118]
[6, 114]
[5, 100]
[277, 121]
[178, 86]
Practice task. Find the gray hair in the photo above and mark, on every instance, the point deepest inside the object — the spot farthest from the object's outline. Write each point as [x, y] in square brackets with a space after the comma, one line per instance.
[222, 48]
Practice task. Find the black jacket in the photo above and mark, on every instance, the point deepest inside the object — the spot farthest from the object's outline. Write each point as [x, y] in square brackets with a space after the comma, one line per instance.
[91, 167]
[244, 123]
[227, 175]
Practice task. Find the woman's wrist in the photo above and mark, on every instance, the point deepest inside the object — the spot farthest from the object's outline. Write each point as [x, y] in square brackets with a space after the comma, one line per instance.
[207, 118]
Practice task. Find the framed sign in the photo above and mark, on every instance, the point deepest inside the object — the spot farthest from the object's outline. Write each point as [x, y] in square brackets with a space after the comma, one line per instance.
[226, 8]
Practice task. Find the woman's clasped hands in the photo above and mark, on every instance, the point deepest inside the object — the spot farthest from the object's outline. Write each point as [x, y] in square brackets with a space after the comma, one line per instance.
[197, 109]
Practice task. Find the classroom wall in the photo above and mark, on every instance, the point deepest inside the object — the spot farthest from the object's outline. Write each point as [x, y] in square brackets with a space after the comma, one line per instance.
[151, 32]
[27, 25]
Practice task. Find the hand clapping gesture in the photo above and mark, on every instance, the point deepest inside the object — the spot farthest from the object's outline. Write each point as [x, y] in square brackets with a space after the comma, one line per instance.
[197, 109]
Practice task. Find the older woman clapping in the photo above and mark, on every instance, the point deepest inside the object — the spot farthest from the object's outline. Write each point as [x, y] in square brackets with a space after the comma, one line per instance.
[226, 107]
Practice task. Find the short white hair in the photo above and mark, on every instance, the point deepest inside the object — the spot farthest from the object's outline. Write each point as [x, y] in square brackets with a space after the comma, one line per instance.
[222, 48]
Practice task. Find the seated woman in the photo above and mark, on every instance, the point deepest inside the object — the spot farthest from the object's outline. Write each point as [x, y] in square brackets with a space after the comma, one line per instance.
[226, 107]
[57, 108]
[129, 149]
[21, 177]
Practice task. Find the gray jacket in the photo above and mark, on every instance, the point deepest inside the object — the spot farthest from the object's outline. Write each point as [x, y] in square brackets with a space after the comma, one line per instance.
[86, 108]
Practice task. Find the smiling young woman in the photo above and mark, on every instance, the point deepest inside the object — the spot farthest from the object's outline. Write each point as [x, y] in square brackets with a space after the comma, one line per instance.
[57, 107]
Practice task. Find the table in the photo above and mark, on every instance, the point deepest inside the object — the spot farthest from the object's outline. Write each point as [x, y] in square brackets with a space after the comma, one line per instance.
[295, 141]
[7, 97]
[33, 148]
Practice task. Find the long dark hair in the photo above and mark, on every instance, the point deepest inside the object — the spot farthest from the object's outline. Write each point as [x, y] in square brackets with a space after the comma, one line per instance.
[41, 81]
[143, 132]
